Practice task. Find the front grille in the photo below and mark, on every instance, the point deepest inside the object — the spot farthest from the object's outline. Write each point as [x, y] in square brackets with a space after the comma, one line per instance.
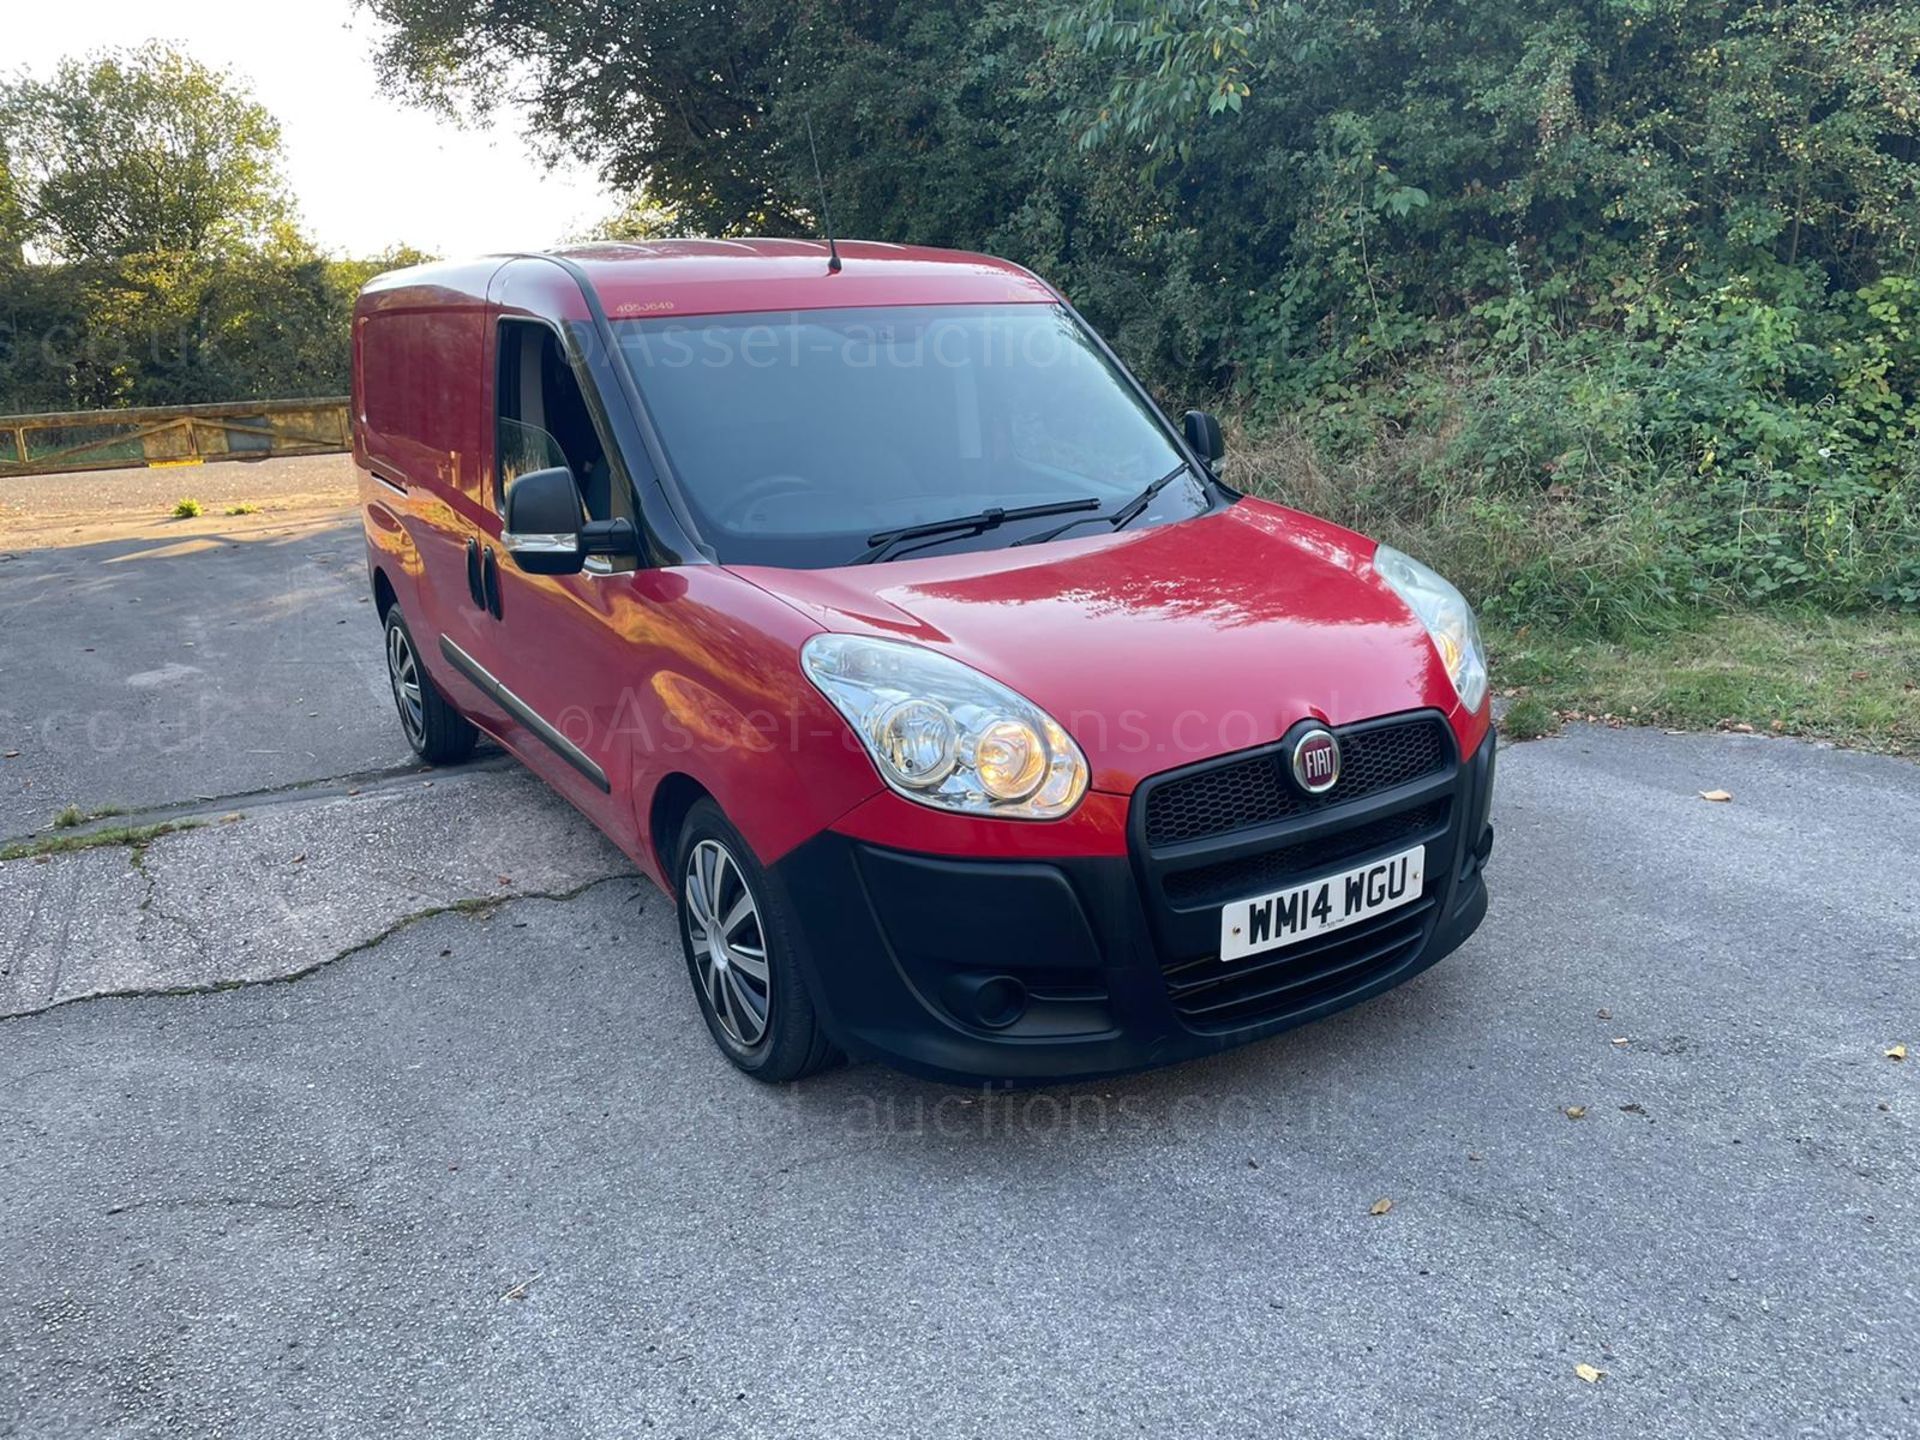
[1212, 996]
[1257, 790]
[1270, 869]
[1239, 828]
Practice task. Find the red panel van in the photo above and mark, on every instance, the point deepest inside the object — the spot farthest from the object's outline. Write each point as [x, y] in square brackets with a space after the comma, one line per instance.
[885, 621]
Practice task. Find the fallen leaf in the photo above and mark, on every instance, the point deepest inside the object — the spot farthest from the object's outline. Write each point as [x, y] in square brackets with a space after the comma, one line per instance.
[1863, 674]
[1897, 1052]
[1575, 1112]
[230, 819]
[11, 755]
[1633, 1107]
[1475, 1155]
[1743, 728]
[1620, 1040]
[1380, 1207]
[1604, 1014]
[299, 859]
[1588, 1374]
[1719, 797]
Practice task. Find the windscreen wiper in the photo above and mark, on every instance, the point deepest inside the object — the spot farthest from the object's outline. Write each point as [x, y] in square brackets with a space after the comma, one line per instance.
[879, 543]
[1123, 516]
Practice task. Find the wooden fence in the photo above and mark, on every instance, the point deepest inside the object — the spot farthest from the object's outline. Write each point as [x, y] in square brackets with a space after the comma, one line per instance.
[172, 435]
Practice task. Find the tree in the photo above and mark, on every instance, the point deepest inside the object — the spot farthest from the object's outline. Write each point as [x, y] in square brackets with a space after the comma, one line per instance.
[1577, 243]
[935, 121]
[13, 228]
[663, 94]
[141, 151]
[147, 250]
[640, 219]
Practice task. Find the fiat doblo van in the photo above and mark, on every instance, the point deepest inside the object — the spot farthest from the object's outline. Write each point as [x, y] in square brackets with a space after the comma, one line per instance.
[882, 618]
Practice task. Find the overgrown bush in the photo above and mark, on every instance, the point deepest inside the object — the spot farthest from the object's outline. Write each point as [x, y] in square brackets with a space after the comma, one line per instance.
[175, 329]
[1744, 439]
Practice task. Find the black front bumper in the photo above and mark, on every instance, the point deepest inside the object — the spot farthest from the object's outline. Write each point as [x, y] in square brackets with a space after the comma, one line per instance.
[1023, 971]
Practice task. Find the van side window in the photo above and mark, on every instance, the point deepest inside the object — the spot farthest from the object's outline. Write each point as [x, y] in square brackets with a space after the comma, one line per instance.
[543, 420]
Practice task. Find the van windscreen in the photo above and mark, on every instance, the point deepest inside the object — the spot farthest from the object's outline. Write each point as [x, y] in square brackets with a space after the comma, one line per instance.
[797, 435]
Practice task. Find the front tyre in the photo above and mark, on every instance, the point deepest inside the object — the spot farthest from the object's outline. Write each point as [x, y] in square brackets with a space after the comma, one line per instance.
[739, 940]
[438, 733]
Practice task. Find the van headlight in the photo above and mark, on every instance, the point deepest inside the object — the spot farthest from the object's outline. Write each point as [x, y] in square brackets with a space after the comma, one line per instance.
[945, 735]
[1447, 616]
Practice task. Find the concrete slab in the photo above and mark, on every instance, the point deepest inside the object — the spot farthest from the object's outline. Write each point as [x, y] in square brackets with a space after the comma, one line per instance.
[286, 887]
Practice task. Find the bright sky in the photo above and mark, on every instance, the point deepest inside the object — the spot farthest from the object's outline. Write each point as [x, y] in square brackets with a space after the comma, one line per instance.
[367, 171]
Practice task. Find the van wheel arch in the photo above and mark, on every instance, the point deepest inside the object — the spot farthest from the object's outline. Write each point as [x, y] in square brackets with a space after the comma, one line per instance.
[383, 594]
[673, 797]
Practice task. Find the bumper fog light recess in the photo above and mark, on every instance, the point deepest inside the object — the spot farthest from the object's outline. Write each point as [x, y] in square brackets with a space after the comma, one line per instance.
[992, 1002]
[1001, 1001]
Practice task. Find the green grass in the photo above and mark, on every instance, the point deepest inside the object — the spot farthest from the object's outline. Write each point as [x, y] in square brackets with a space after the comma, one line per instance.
[1852, 679]
[73, 815]
[1528, 717]
[138, 836]
[186, 508]
[242, 509]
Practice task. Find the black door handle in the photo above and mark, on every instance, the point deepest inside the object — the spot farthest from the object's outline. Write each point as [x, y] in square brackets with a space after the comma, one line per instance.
[490, 581]
[474, 584]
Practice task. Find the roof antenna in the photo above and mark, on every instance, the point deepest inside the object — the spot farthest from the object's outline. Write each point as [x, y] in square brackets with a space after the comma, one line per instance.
[826, 215]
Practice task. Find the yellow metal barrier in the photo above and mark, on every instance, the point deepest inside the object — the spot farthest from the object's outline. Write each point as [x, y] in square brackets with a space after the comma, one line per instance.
[170, 435]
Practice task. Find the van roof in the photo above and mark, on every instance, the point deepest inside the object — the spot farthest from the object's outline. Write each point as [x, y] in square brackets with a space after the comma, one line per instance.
[709, 277]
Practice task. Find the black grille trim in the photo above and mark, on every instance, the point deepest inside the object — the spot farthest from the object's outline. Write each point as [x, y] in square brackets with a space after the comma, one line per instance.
[1268, 870]
[1404, 790]
[1256, 789]
[1212, 996]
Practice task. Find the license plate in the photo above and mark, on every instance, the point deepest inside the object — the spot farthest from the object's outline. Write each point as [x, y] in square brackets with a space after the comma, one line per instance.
[1267, 922]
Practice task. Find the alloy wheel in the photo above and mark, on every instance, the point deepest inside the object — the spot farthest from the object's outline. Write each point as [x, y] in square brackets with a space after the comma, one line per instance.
[729, 943]
[404, 671]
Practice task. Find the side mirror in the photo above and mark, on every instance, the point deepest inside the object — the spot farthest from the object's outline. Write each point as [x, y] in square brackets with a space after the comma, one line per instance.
[545, 532]
[1203, 434]
[541, 526]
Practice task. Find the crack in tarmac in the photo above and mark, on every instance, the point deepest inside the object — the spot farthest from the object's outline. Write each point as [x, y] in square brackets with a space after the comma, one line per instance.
[322, 788]
[225, 1202]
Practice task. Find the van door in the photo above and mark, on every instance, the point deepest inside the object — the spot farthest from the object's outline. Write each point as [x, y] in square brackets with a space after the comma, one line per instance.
[552, 655]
